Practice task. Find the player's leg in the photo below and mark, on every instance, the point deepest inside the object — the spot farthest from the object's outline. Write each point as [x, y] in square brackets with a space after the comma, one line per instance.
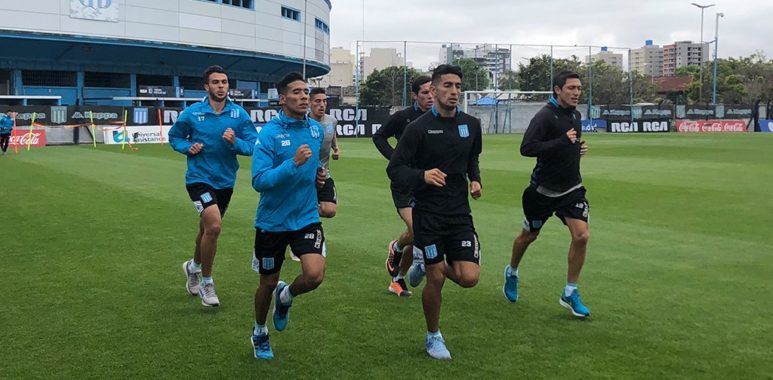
[328, 199]
[463, 255]
[268, 257]
[427, 239]
[431, 301]
[309, 245]
[575, 213]
[4, 139]
[401, 255]
[403, 200]
[405, 243]
[206, 203]
[537, 209]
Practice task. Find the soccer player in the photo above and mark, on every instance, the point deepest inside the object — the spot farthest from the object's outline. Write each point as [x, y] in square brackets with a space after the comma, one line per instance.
[435, 157]
[326, 192]
[210, 133]
[6, 127]
[397, 263]
[284, 171]
[554, 137]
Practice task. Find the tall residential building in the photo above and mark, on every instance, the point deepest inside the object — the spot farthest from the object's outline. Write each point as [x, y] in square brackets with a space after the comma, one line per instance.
[682, 54]
[613, 59]
[379, 59]
[493, 58]
[341, 67]
[648, 59]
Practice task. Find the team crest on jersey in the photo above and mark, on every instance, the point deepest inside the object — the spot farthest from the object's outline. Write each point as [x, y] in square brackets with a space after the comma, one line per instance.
[464, 132]
[234, 114]
[314, 131]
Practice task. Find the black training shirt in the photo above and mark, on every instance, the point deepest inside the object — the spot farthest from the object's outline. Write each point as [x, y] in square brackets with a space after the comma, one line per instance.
[394, 127]
[449, 144]
[558, 160]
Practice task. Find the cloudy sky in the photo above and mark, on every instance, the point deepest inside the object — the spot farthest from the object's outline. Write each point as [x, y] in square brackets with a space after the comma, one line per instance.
[745, 28]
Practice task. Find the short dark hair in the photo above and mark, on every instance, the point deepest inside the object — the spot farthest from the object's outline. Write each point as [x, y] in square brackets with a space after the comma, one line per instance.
[283, 83]
[560, 79]
[317, 90]
[211, 70]
[446, 69]
[418, 82]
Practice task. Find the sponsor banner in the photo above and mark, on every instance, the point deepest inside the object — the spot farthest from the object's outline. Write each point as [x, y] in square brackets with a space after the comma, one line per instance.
[24, 115]
[735, 112]
[161, 91]
[699, 112]
[37, 138]
[135, 135]
[686, 126]
[635, 113]
[352, 122]
[657, 113]
[719, 111]
[99, 10]
[594, 125]
[649, 126]
[241, 93]
[766, 125]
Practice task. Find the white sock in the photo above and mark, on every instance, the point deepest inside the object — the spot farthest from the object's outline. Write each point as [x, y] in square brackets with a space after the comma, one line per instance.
[398, 278]
[431, 334]
[260, 329]
[285, 297]
[512, 271]
[569, 288]
[207, 280]
[193, 266]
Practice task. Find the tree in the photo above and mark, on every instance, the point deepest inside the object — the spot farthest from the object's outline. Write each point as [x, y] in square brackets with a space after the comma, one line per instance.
[508, 80]
[609, 84]
[476, 78]
[385, 87]
[535, 75]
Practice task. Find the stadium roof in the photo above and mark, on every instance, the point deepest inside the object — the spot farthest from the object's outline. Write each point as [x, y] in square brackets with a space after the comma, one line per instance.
[39, 51]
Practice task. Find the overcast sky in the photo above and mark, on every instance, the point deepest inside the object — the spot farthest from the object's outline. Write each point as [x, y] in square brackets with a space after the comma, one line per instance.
[746, 27]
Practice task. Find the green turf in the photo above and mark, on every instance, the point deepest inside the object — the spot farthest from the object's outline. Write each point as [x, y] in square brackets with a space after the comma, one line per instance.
[678, 274]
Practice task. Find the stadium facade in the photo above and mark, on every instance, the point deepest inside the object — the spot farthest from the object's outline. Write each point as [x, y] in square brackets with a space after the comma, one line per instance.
[106, 52]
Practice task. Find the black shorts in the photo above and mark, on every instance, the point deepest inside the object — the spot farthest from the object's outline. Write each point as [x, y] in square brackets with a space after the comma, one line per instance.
[204, 195]
[270, 247]
[403, 198]
[449, 237]
[537, 208]
[327, 193]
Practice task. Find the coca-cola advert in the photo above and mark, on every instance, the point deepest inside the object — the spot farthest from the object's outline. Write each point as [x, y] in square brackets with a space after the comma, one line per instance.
[694, 126]
[23, 138]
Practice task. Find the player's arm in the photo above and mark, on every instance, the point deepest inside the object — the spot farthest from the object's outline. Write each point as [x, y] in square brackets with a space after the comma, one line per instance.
[399, 168]
[264, 175]
[334, 143]
[380, 138]
[244, 140]
[6, 123]
[180, 133]
[473, 165]
[534, 143]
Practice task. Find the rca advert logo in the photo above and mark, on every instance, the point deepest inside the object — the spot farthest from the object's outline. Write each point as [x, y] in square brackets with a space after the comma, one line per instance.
[652, 126]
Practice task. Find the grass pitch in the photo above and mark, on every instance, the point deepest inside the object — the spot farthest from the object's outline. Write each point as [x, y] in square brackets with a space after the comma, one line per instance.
[678, 273]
